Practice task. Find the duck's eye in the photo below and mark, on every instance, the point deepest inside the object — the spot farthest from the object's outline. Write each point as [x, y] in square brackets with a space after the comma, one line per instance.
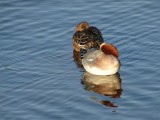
[103, 49]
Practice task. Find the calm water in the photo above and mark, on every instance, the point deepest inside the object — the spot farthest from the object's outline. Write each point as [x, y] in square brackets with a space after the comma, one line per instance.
[39, 79]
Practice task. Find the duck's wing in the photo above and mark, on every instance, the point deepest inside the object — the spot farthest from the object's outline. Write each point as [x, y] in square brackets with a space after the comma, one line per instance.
[91, 36]
[87, 39]
[96, 34]
[91, 55]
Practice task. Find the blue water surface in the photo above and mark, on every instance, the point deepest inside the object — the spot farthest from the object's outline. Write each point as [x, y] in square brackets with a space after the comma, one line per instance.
[39, 79]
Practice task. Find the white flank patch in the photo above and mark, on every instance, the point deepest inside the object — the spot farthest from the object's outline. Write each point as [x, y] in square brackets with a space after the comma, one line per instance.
[90, 59]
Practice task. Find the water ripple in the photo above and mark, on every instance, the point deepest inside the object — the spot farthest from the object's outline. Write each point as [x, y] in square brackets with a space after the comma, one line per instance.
[39, 79]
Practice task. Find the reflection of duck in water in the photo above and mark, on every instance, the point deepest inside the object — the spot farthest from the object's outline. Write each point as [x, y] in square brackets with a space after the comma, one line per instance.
[85, 38]
[102, 62]
[109, 85]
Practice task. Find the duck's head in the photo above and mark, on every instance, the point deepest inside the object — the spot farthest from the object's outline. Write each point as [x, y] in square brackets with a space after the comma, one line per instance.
[109, 49]
[82, 26]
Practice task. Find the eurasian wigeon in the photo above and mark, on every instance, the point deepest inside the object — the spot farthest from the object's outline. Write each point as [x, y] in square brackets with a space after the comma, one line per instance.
[103, 61]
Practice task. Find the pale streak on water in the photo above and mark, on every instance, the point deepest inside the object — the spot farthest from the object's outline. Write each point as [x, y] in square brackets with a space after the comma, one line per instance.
[39, 79]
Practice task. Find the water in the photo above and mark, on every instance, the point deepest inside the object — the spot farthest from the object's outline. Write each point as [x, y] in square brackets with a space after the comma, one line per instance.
[39, 79]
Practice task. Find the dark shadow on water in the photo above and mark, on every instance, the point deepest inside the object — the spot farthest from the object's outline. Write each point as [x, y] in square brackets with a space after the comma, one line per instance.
[104, 102]
[77, 59]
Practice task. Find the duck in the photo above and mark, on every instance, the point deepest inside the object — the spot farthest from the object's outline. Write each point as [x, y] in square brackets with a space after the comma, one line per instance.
[102, 61]
[86, 37]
